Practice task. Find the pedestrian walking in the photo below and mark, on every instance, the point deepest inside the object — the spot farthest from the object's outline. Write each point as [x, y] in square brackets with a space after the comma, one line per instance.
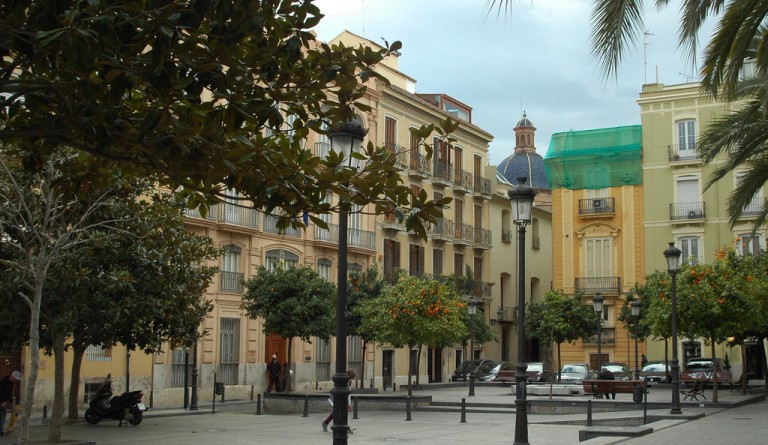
[327, 421]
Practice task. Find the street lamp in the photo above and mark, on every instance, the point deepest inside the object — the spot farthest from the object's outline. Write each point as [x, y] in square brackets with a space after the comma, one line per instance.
[521, 197]
[636, 315]
[672, 254]
[597, 302]
[345, 138]
[471, 310]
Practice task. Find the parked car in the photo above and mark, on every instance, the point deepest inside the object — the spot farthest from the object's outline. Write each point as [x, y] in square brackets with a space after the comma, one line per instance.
[654, 372]
[462, 371]
[574, 372]
[702, 368]
[493, 374]
[619, 370]
[537, 372]
[484, 371]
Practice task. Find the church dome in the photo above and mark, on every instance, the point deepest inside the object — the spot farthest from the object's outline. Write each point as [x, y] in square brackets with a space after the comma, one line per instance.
[528, 164]
[524, 123]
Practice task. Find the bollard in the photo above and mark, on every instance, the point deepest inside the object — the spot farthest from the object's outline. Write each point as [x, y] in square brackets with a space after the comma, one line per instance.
[371, 383]
[251, 393]
[45, 411]
[463, 410]
[589, 413]
[258, 405]
[408, 409]
[471, 385]
[306, 405]
[394, 386]
[645, 403]
[354, 408]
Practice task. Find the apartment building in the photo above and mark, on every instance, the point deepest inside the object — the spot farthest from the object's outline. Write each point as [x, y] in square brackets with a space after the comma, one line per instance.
[598, 237]
[677, 208]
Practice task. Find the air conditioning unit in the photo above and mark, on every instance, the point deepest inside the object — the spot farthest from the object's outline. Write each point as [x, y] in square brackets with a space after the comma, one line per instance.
[597, 204]
[694, 214]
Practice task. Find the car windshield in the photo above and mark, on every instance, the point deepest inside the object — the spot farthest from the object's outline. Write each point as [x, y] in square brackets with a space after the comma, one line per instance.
[614, 368]
[574, 368]
[654, 367]
[535, 367]
[699, 365]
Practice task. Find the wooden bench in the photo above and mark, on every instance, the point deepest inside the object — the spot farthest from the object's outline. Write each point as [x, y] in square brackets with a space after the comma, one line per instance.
[600, 387]
[694, 390]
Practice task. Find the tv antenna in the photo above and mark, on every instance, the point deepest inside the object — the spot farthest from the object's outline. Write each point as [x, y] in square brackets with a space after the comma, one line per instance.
[646, 33]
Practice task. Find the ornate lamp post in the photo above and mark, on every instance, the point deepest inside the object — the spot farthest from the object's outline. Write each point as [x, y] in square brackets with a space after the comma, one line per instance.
[597, 302]
[345, 138]
[672, 254]
[193, 397]
[522, 202]
[471, 310]
[636, 315]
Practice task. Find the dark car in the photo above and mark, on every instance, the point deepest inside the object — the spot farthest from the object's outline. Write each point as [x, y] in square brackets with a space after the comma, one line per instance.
[485, 371]
[537, 372]
[477, 368]
[619, 370]
[653, 372]
[702, 368]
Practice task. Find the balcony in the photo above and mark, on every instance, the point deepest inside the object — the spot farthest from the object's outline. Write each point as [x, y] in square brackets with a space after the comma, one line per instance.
[506, 236]
[236, 215]
[607, 337]
[391, 223]
[463, 181]
[355, 237]
[420, 167]
[442, 230]
[400, 155]
[681, 155]
[482, 187]
[210, 214]
[231, 282]
[392, 274]
[270, 226]
[442, 172]
[472, 287]
[754, 207]
[597, 207]
[463, 234]
[483, 238]
[507, 314]
[593, 285]
[687, 211]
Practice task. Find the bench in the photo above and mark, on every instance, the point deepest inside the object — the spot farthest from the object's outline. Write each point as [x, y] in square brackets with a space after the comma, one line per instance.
[694, 390]
[600, 387]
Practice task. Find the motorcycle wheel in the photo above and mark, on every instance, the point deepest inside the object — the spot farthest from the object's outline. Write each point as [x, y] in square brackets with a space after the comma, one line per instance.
[92, 416]
[136, 419]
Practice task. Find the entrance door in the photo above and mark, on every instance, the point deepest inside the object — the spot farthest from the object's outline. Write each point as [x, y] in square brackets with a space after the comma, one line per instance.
[435, 365]
[276, 345]
[386, 367]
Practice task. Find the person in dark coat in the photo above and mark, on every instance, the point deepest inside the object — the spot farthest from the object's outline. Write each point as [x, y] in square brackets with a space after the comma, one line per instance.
[606, 374]
[273, 372]
[7, 384]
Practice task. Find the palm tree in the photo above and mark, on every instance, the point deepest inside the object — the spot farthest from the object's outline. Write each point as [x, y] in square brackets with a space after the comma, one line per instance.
[741, 35]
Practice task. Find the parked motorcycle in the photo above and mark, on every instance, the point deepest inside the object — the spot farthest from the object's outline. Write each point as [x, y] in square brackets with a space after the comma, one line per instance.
[123, 408]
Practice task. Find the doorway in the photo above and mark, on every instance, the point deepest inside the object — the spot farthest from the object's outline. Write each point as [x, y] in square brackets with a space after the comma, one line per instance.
[435, 365]
[387, 359]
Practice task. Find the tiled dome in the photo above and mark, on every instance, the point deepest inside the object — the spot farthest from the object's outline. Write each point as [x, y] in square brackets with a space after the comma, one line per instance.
[528, 164]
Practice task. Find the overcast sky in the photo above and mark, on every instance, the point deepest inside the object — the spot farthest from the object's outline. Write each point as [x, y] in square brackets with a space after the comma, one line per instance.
[536, 59]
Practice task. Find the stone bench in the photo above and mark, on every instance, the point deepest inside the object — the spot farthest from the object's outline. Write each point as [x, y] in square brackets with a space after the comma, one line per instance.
[623, 431]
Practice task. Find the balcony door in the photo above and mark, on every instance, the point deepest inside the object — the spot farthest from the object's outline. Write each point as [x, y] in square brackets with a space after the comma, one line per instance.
[598, 263]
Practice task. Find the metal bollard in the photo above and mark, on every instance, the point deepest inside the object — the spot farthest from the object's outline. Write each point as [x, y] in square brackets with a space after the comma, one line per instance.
[471, 385]
[251, 393]
[408, 409]
[258, 405]
[306, 405]
[394, 386]
[45, 411]
[589, 413]
[463, 410]
[354, 408]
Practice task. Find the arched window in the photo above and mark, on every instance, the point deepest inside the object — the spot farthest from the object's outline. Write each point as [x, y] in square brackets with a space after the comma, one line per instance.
[324, 268]
[279, 257]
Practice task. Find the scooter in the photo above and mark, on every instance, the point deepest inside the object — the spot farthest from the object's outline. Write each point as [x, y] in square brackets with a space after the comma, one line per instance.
[123, 408]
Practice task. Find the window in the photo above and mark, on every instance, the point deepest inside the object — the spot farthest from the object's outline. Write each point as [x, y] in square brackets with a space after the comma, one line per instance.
[355, 354]
[437, 262]
[354, 268]
[691, 247]
[686, 138]
[279, 257]
[749, 245]
[390, 137]
[414, 361]
[391, 260]
[458, 264]
[324, 268]
[231, 277]
[323, 363]
[98, 353]
[691, 349]
[756, 203]
[180, 362]
[689, 204]
[230, 350]
[354, 226]
[598, 257]
[415, 260]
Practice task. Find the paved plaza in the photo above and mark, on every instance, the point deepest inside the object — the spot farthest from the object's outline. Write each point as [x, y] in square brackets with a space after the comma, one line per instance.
[736, 419]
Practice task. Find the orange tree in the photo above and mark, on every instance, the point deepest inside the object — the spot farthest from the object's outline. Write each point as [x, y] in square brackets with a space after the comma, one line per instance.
[412, 312]
[713, 299]
[656, 320]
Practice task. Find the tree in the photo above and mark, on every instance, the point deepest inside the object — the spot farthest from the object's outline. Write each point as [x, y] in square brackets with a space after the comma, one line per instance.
[39, 226]
[558, 319]
[712, 300]
[199, 94]
[635, 326]
[363, 286]
[414, 311]
[658, 309]
[292, 302]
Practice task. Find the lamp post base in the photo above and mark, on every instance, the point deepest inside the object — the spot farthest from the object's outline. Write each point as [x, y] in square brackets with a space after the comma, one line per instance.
[521, 405]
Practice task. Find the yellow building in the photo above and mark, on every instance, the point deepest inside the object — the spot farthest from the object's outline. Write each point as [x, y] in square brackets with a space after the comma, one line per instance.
[596, 180]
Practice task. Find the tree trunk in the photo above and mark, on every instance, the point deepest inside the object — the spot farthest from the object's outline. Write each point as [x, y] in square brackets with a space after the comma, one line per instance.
[74, 382]
[57, 411]
[34, 355]
[418, 364]
[714, 369]
[559, 365]
[287, 369]
[362, 366]
[410, 359]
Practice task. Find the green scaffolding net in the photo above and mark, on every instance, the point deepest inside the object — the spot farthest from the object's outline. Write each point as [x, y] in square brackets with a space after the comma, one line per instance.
[593, 159]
